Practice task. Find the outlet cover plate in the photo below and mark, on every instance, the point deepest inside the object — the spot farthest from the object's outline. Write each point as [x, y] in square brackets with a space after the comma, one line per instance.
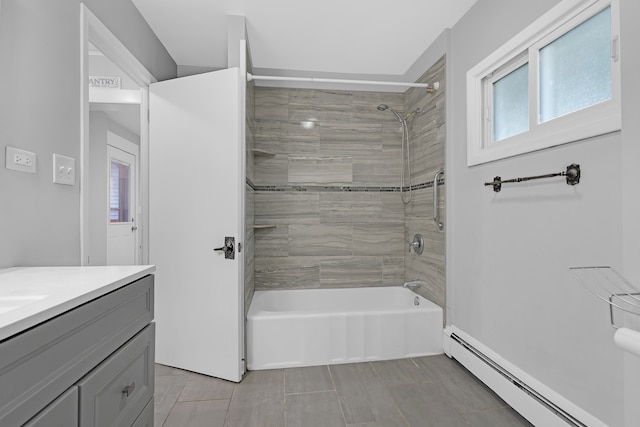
[64, 170]
[20, 160]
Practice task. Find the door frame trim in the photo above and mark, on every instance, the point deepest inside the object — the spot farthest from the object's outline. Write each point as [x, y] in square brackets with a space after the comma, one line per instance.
[94, 31]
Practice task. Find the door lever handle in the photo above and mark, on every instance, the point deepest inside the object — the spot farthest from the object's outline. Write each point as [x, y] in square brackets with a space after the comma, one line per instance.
[228, 248]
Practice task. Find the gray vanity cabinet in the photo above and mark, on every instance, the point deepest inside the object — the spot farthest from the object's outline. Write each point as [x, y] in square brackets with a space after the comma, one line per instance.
[117, 391]
[90, 366]
[62, 412]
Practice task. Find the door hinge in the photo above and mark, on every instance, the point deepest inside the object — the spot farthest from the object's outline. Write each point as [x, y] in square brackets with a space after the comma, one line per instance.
[239, 247]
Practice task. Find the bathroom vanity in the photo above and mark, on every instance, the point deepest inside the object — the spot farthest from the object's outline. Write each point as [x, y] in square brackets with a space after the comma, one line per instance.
[77, 346]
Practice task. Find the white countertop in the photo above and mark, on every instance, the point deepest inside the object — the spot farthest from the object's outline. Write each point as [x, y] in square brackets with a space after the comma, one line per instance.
[32, 295]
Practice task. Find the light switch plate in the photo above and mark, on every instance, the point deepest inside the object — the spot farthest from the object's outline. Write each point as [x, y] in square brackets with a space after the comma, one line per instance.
[20, 160]
[64, 170]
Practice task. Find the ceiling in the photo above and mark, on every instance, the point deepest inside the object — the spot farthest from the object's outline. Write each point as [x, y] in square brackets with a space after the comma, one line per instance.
[355, 37]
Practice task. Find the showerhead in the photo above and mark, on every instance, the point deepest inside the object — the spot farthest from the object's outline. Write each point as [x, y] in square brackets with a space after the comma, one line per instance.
[383, 107]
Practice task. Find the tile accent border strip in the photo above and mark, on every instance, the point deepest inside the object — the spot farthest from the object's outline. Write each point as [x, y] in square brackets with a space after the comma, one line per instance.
[345, 188]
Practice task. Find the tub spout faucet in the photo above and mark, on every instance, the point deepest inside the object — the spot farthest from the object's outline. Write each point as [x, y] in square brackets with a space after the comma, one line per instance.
[412, 284]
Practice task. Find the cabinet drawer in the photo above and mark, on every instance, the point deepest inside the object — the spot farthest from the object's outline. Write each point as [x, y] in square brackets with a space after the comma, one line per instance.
[41, 363]
[62, 412]
[146, 417]
[116, 392]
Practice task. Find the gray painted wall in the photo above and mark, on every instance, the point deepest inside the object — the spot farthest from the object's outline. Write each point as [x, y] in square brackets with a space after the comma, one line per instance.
[509, 253]
[630, 33]
[40, 221]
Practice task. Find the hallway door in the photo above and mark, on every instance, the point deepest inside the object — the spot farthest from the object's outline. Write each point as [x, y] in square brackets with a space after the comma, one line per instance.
[122, 229]
[196, 197]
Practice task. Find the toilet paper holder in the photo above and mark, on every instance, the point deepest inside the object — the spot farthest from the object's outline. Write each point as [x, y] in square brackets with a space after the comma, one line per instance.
[611, 287]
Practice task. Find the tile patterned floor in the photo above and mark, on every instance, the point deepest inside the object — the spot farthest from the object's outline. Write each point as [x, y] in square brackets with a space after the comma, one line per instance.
[420, 392]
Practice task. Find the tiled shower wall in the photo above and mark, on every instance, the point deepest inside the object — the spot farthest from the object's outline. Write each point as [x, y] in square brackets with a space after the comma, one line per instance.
[324, 183]
[427, 142]
[249, 240]
[323, 172]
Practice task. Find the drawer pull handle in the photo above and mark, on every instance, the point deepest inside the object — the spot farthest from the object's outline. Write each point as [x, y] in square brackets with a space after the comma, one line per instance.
[129, 389]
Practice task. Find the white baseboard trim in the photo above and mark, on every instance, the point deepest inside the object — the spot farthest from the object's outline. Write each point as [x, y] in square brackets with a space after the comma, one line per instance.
[536, 402]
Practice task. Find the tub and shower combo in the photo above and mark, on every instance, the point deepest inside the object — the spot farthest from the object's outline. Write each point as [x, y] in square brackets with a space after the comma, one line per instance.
[288, 328]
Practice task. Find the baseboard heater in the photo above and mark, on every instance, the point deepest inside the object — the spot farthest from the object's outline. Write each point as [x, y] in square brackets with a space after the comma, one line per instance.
[535, 406]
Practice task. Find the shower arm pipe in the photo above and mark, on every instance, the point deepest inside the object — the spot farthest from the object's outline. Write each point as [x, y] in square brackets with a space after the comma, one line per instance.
[428, 86]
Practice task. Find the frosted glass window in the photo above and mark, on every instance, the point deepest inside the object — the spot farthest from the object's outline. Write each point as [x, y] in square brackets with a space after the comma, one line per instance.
[119, 192]
[511, 104]
[575, 69]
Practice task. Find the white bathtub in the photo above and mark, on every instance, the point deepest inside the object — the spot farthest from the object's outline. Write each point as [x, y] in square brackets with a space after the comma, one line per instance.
[287, 328]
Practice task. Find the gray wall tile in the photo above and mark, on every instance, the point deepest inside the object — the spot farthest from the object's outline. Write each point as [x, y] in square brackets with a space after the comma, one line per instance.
[302, 105]
[393, 270]
[378, 239]
[320, 171]
[283, 137]
[272, 242]
[287, 272]
[271, 104]
[350, 272]
[377, 167]
[333, 105]
[353, 207]
[287, 208]
[320, 239]
[393, 208]
[271, 170]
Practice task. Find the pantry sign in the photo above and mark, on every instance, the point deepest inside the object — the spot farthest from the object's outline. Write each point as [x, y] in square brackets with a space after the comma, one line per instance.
[104, 82]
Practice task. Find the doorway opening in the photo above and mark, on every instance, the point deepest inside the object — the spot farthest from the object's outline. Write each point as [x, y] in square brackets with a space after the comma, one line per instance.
[114, 120]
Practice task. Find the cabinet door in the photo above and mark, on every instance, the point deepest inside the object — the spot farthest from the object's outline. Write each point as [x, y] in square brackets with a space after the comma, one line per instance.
[116, 392]
[63, 412]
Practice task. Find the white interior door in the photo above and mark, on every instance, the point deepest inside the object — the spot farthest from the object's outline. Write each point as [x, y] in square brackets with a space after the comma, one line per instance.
[122, 201]
[196, 185]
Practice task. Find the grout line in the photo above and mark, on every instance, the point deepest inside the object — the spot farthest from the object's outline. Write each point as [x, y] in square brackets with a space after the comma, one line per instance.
[335, 389]
[308, 392]
[284, 399]
[226, 414]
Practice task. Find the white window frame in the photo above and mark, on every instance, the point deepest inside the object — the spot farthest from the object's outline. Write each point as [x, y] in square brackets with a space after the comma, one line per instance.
[597, 119]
